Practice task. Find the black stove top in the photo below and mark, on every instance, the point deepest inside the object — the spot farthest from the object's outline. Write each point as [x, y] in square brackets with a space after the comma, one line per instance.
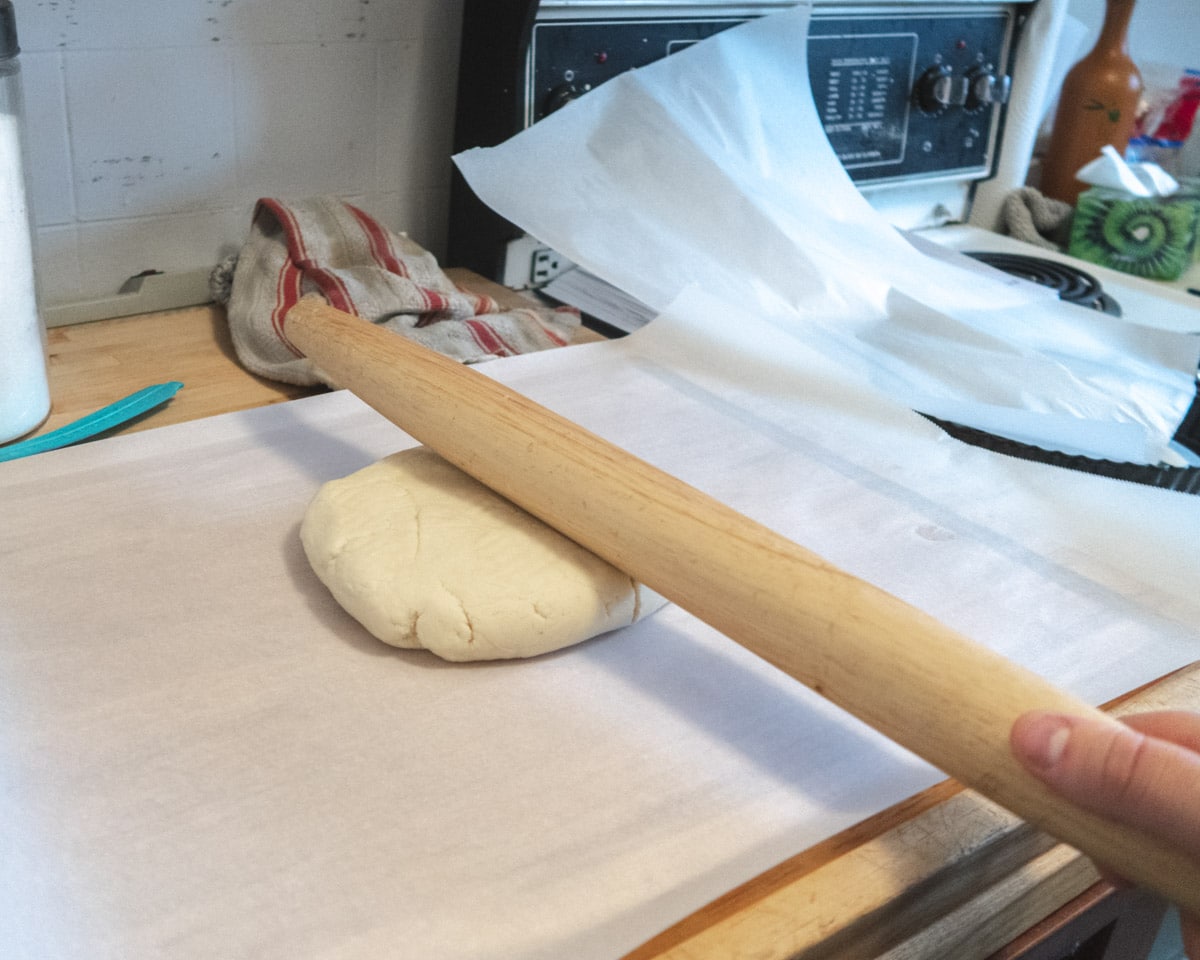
[1073, 284]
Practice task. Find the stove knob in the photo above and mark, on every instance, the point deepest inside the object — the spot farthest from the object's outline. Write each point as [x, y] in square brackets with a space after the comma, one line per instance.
[984, 88]
[559, 97]
[937, 88]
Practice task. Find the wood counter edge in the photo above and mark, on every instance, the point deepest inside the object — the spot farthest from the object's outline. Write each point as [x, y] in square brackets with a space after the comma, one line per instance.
[959, 877]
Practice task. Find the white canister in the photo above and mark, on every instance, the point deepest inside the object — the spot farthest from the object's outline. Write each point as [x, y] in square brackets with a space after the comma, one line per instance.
[24, 390]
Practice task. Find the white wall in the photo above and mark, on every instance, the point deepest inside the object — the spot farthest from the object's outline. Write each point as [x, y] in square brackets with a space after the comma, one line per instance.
[154, 125]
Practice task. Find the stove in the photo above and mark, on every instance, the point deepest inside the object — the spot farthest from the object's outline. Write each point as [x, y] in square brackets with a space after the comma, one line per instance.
[932, 107]
[1154, 303]
[923, 101]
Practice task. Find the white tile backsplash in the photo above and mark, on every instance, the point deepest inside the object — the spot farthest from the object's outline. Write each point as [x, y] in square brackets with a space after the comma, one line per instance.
[57, 254]
[146, 136]
[309, 21]
[413, 140]
[125, 248]
[120, 25]
[305, 117]
[153, 127]
[51, 182]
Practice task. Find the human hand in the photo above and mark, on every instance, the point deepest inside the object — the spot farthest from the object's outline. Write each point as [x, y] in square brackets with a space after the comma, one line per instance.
[1145, 774]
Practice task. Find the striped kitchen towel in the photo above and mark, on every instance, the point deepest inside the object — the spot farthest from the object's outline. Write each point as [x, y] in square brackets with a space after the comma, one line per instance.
[327, 246]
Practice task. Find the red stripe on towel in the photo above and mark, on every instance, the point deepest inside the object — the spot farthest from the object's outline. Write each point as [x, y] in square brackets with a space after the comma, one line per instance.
[332, 286]
[291, 229]
[486, 336]
[480, 302]
[287, 294]
[554, 337]
[434, 302]
[380, 242]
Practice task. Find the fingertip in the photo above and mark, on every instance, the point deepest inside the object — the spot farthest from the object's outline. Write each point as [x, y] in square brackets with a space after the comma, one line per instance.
[1039, 739]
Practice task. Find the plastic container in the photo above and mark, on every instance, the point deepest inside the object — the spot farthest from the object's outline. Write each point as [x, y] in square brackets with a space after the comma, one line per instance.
[24, 390]
[1164, 133]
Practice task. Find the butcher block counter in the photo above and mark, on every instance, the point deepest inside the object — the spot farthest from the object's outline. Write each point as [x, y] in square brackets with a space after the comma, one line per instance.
[943, 874]
[93, 364]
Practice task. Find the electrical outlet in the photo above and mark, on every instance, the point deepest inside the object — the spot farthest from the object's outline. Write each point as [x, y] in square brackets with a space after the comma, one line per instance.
[529, 263]
[547, 264]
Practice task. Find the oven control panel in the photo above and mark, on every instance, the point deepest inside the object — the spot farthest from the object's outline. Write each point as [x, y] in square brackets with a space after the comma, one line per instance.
[913, 96]
[570, 57]
[901, 96]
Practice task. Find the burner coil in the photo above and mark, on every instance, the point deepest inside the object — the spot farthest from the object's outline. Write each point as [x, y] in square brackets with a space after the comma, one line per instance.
[1072, 284]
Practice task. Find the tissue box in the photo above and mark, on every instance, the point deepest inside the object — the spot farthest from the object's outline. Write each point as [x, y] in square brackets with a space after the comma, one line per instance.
[1152, 237]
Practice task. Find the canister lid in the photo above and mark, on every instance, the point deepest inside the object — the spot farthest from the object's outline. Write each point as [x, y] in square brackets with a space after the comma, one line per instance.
[8, 31]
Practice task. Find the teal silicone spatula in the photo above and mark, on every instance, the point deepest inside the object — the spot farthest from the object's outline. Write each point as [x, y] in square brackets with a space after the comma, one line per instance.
[104, 419]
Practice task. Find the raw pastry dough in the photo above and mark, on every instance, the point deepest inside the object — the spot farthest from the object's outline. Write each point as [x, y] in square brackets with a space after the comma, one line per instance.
[425, 556]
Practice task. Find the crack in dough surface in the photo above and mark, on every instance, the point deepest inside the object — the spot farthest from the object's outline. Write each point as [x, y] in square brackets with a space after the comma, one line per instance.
[422, 555]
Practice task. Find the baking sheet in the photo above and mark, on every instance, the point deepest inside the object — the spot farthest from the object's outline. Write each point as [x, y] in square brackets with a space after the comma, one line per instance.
[201, 755]
[711, 168]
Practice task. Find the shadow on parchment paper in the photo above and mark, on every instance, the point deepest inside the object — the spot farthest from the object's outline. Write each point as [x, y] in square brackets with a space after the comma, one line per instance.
[324, 452]
[771, 722]
[768, 718]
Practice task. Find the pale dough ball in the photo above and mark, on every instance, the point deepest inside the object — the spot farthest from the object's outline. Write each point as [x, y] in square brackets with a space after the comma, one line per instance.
[422, 555]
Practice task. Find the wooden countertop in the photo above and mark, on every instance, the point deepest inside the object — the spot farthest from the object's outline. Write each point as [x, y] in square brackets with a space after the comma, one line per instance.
[94, 364]
[945, 873]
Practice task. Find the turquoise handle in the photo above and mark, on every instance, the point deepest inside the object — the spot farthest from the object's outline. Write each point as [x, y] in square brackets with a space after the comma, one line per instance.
[103, 419]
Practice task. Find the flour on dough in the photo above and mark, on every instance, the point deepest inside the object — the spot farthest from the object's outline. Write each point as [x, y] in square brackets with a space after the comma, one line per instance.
[422, 555]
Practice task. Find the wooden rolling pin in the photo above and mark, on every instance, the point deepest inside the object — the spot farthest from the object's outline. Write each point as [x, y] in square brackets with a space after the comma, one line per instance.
[947, 699]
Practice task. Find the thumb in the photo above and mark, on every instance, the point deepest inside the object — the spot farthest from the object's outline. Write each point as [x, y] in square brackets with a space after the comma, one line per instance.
[1120, 773]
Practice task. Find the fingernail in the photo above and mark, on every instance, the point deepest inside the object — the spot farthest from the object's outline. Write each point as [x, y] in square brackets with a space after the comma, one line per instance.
[1042, 739]
[1056, 744]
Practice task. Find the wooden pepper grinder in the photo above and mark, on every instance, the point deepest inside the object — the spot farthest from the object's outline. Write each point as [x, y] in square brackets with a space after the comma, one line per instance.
[1097, 106]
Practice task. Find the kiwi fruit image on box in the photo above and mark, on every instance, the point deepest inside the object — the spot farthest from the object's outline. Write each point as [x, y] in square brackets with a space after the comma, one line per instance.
[1152, 238]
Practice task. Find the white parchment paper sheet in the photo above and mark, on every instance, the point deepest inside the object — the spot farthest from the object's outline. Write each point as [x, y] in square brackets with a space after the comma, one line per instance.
[202, 756]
